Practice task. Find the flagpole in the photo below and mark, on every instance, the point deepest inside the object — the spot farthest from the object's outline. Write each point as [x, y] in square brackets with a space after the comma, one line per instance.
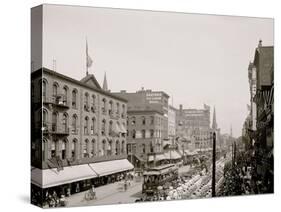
[87, 57]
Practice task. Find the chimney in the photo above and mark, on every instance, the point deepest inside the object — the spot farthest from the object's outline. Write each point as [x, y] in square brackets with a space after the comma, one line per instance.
[180, 107]
[260, 43]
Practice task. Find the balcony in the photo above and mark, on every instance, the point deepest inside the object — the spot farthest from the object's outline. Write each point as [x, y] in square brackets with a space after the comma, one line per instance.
[55, 129]
[59, 101]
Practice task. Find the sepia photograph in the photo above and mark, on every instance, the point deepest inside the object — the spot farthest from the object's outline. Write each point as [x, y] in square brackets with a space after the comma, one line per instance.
[132, 106]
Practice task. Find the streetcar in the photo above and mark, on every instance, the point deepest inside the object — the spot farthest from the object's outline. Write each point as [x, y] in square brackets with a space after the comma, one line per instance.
[159, 176]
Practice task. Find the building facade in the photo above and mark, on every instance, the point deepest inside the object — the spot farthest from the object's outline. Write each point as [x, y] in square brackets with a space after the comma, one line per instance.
[76, 124]
[147, 125]
[194, 126]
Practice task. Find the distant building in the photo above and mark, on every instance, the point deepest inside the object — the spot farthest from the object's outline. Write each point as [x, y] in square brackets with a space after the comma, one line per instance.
[193, 125]
[147, 125]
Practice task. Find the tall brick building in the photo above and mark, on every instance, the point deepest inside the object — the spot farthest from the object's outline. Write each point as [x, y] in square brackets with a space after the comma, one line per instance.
[79, 132]
[147, 125]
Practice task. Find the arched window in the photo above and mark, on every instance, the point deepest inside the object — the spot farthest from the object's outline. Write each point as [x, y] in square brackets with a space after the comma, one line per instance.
[103, 150]
[74, 124]
[143, 133]
[45, 119]
[109, 148]
[93, 150]
[117, 148]
[53, 149]
[63, 149]
[93, 107]
[110, 128]
[65, 94]
[110, 111]
[117, 108]
[123, 147]
[86, 126]
[55, 90]
[54, 121]
[143, 120]
[103, 127]
[65, 122]
[103, 105]
[123, 111]
[44, 90]
[74, 99]
[85, 148]
[134, 134]
[73, 148]
[93, 126]
[86, 101]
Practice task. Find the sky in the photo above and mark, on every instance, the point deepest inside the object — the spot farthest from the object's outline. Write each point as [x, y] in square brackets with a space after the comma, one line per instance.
[194, 58]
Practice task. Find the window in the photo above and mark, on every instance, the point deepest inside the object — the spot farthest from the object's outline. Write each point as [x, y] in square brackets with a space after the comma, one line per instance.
[143, 148]
[103, 126]
[110, 129]
[73, 148]
[86, 125]
[63, 150]
[85, 148]
[117, 108]
[74, 99]
[143, 133]
[45, 120]
[133, 133]
[110, 111]
[93, 107]
[143, 120]
[55, 89]
[133, 120]
[123, 111]
[109, 149]
[103, 148]
[54, 121]
[123, 147]
[64, 122]
[53, 149]
[93, 150]
[86, 102]
[65, 94]
[151, 133]
[151, 120]
[44, 90]
[93, 127]
[74, 124]
[103, 105]
[117, 148]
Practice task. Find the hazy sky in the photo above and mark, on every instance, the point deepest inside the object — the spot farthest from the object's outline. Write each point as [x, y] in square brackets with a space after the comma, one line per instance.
[196, 59]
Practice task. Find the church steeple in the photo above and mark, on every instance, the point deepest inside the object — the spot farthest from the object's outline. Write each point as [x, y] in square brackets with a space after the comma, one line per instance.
[214, 125]
[105, 87]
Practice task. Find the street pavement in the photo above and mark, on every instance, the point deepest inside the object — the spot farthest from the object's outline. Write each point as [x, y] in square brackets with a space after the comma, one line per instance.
[113, 193]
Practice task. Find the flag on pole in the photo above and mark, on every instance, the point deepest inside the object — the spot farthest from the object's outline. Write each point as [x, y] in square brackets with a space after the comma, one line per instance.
[89, 60]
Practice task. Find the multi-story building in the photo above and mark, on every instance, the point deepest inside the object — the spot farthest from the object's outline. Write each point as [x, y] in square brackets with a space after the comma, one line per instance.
[79, 132]
[172, 122]
[147, 125]
[263, 99]
[194, 126]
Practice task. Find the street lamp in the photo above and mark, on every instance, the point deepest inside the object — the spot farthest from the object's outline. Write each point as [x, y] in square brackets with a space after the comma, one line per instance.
[213, 135]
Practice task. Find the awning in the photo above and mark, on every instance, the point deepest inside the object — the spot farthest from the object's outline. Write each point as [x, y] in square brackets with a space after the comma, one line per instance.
[111, 167]
[172, 155]
[52, 177]
[158, 157]
[117, 129]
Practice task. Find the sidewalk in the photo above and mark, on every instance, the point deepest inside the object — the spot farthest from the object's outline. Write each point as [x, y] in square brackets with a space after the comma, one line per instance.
[104, 192]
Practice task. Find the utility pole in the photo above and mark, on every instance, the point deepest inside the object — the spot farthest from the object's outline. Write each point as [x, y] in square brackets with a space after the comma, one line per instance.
[214, 165]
